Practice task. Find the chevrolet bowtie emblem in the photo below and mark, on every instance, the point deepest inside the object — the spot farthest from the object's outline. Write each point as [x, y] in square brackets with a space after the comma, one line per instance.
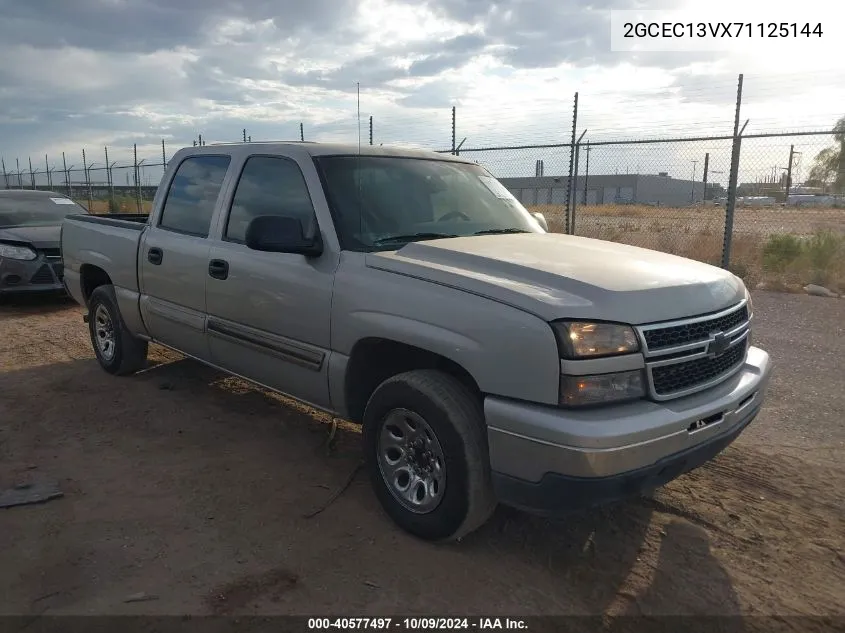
[718, 344]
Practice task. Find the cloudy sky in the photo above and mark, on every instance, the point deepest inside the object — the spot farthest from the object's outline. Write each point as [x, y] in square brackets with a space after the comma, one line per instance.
[89, 73]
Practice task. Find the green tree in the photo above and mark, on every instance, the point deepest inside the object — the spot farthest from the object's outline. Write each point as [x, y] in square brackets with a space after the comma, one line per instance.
[829, 164]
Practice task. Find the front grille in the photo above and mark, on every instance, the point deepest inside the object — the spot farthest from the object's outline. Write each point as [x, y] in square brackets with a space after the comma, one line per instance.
[42, 276]
[697, 331]
[678, 353]
[669, 379]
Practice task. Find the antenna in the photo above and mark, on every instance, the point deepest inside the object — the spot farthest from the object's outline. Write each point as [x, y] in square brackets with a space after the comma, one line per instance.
[358, 161]
[358, 84]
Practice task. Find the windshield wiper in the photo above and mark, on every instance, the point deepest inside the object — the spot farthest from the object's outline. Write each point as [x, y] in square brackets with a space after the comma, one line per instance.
[500, 231]
[411, 237]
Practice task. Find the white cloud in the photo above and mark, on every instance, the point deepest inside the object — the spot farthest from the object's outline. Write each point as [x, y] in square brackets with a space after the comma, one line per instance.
[152, 69]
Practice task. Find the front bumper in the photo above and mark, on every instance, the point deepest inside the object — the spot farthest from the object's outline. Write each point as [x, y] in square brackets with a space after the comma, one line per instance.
[550, 460]
[37, 275]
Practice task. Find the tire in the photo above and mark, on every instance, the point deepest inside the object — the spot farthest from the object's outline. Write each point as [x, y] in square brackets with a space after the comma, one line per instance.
[454, 416]
[120, 354]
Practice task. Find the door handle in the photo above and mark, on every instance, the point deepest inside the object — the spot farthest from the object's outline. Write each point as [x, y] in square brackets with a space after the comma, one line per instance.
[154, 256]
[218, 268]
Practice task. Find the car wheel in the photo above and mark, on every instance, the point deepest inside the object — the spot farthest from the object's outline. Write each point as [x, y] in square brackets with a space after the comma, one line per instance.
[425, 446]
[117, 351]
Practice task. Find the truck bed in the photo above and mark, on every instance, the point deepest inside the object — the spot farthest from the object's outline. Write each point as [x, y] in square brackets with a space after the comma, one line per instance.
[109, 242]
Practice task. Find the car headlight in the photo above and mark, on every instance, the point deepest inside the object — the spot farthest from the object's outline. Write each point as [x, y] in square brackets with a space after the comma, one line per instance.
[578, 391]
[581, 339]
[17, 252]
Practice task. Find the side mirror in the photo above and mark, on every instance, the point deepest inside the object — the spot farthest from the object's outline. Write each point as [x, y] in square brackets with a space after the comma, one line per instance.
[281, 234]
[541, 220]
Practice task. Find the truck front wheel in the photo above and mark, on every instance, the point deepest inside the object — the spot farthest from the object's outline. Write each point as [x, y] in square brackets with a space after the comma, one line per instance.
[117, 351]
[425, 446]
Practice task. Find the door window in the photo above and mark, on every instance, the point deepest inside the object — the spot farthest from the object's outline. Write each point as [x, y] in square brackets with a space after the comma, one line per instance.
[269, 185]
[192, 195]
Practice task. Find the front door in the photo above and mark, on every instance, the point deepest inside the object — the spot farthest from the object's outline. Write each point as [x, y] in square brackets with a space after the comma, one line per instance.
[174, 256]
[269, 313]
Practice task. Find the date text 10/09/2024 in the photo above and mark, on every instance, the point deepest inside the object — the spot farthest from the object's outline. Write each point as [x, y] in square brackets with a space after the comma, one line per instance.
[417, 624]
[717, 30]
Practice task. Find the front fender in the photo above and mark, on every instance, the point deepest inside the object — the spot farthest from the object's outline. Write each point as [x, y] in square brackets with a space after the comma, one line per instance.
[508, 352]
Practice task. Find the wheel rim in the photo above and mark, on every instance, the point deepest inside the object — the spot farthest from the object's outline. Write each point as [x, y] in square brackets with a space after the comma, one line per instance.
[104, 332]
[411, 461]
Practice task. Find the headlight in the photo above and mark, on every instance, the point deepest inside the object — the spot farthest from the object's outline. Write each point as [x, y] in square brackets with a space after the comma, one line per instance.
[17, 252]
[578, 391]
[580, 339]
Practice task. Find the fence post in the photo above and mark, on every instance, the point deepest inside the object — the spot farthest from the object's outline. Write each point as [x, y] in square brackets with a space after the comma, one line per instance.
[5, 177]
[67, 177]
[49, 175]
[164, 157]
[569, 184]
[730, 204]
[571, 229]
[87, 182]
[31, 174]
[20, 181]
[137, 178]
[109, 181]
[704, 180]
[301, 132]
[454, 115]
[371, 129]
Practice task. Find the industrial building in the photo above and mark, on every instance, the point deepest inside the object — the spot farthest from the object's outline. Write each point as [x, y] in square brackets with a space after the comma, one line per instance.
[648, 189]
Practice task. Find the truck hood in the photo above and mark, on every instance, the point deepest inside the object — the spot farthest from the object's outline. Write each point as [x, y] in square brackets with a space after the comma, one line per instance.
[554, 276]
[38, 236]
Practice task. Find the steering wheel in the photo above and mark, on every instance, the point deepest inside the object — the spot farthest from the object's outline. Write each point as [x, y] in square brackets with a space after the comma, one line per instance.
[455, 214]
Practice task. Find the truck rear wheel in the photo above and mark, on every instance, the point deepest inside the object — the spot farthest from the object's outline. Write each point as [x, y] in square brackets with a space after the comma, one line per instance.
[425, 445]
[117, 351]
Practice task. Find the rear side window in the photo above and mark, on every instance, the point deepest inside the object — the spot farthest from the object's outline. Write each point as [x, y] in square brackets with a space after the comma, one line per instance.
[192, 195]
[269, 185]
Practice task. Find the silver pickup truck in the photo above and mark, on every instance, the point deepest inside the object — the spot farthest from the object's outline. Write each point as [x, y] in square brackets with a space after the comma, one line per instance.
[487, 359]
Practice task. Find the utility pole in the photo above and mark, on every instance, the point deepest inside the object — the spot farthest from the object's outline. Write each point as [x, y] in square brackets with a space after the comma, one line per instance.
[706, 167]
[789, 173]
[692, 191]
[587, 172]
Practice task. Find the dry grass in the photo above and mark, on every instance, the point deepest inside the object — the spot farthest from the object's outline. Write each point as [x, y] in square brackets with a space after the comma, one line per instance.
[125, 205]
[698, 233]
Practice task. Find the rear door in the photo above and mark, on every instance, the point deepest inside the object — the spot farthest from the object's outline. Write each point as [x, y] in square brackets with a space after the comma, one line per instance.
[269, 313]
[174, 255]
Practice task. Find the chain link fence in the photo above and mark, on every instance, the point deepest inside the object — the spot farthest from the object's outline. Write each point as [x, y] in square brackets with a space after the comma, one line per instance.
[770, 207]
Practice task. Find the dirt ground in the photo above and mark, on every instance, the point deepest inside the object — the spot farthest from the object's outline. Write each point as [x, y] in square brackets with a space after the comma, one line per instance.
[193, 489]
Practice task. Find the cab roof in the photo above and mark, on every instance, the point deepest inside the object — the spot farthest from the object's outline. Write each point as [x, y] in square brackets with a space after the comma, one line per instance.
[329, 149]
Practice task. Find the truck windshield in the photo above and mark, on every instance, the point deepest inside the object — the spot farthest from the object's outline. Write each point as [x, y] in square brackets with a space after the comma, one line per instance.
[381, 202]
[27, 208]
